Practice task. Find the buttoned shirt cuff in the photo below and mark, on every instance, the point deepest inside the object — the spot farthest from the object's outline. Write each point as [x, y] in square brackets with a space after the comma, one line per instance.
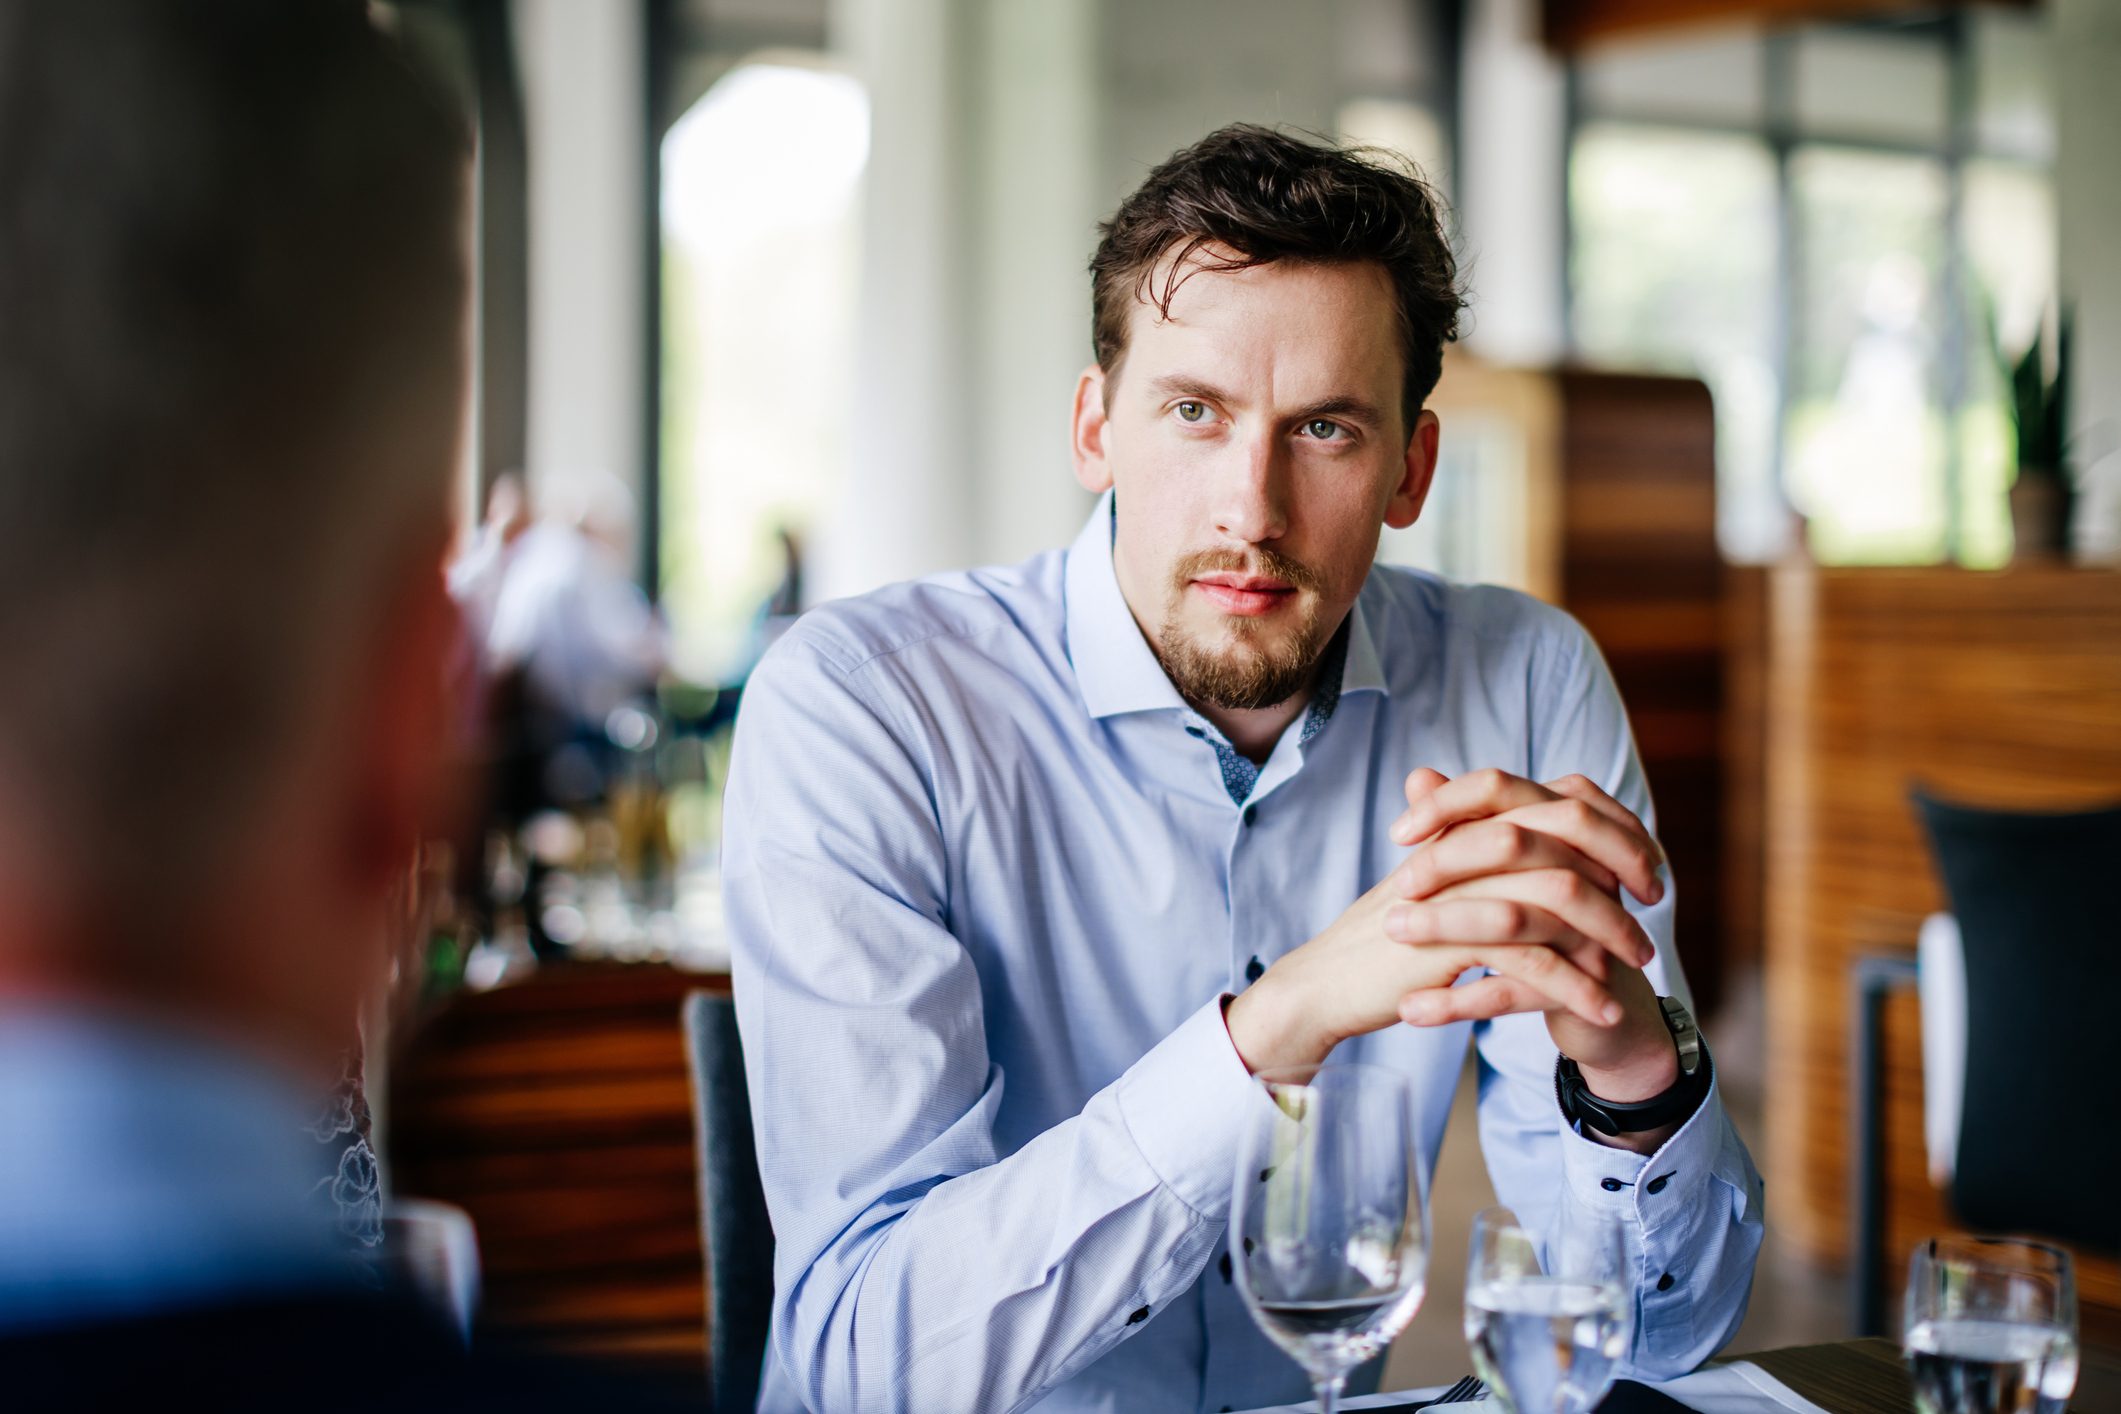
[1185, 1105]
[1649, 1187]
[1697, 1178]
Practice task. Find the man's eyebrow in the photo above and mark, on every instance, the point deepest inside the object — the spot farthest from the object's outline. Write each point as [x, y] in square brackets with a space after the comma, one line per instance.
[1354, 409]
[1185, 385]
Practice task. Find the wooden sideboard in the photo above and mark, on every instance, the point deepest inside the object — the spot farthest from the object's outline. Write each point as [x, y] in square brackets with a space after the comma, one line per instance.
[1999, 689]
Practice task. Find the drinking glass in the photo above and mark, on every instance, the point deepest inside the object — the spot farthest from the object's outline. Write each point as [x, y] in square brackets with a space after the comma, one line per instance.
[1547, 1338]
[1991, 1326]
[1328, 1221]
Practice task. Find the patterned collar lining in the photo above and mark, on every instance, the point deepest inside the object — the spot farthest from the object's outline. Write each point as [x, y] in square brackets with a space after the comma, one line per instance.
[1239, 772]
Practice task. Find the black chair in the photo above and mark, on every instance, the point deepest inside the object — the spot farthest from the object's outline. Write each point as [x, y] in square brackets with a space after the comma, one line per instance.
[739, 1235]
[2036, 1153]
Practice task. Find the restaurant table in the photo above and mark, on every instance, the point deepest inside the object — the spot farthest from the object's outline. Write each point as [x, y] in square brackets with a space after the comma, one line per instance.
[1862, 1376]
[1846, 1377]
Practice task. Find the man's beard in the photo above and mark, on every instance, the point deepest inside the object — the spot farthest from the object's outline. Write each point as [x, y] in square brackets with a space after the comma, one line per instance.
[1241, 674]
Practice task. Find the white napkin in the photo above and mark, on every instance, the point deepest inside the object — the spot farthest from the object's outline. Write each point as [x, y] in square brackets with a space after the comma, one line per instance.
[1739, 1388]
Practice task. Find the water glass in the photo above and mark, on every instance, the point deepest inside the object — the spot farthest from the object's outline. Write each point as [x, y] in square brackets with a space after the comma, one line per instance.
[1328, 1220]
[1991, 1326]
[1548, 1338]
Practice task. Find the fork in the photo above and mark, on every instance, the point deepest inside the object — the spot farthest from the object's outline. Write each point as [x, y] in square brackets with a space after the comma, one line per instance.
[1464, 1392]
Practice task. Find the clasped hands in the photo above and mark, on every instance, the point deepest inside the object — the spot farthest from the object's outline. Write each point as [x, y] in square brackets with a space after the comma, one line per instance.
[1520, 878]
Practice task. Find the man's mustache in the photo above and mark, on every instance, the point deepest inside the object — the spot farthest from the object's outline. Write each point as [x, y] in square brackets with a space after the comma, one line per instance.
[1271, 564]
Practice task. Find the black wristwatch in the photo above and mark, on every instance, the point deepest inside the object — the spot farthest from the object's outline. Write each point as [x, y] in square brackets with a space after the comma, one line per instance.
[1678, 1101]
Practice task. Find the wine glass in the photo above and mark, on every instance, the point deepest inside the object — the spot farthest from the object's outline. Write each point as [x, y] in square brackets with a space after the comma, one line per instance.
[1991, 1326]
[1547, 1339]
[1328, 1222]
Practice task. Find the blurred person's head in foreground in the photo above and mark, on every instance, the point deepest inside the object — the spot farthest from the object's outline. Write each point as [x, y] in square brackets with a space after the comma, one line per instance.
[233, 275]
[1269, 317]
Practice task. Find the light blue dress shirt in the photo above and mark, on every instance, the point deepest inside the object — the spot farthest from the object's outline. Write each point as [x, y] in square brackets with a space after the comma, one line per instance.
[987, 888]
[142, 1170]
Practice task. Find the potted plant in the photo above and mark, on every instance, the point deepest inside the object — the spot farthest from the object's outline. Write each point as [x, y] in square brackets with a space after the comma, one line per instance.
[2042, 496]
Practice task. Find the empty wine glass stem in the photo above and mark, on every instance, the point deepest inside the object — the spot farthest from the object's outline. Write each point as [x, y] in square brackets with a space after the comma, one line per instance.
[1329, 1393]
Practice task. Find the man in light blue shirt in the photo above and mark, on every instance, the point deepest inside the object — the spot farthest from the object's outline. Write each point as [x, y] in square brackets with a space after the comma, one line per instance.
[1028, 869]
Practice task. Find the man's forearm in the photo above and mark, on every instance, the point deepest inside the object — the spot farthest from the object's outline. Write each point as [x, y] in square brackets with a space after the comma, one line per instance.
[996, 1283]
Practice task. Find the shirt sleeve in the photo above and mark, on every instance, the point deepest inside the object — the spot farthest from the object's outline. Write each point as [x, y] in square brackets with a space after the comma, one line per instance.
[917, 1267]
[1692, 1210]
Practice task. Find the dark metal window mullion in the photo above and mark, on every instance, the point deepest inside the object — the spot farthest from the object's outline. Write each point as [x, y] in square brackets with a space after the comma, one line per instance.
[1953, 274]
[1779, 89]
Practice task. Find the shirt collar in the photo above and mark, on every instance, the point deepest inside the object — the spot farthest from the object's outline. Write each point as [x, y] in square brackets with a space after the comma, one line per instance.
[1116, 669]
[1114, 665]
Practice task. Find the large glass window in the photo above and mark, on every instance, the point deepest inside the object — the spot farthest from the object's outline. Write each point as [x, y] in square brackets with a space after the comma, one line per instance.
[2008, 219]
[1649, 292]
[1866, 428]
[1846, 247]
[760, 221]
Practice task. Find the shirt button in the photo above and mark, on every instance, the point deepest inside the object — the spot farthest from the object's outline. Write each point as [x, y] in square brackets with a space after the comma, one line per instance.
[1611, 1185]
[1664, 1283]
[1253, 969]
[1143, 1314]
[1251, 813]
[1656, 1185]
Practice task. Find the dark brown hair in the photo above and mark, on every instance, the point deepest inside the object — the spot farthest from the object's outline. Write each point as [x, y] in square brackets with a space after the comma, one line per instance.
[1268, 196]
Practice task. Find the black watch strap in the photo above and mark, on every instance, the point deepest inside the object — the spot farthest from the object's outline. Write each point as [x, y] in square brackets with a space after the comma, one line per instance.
[1677, 1103]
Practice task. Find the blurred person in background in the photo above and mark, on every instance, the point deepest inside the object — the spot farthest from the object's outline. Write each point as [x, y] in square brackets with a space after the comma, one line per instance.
[565, 639]
[1028, 869]
[566, 612]
[233, 347]
[564, 634]
[563, 607]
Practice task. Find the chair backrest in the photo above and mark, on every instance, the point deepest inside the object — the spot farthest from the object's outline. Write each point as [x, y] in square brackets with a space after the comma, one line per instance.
[732, 1206]
[2038, 1148]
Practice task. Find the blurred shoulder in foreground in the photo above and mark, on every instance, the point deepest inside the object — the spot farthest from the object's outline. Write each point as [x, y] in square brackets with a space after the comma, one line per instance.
[233, 343]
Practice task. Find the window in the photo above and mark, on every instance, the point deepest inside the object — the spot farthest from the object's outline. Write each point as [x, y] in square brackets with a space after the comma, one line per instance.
[1866, 428]
[1842, 230]
[760, 184]
[1649, 292]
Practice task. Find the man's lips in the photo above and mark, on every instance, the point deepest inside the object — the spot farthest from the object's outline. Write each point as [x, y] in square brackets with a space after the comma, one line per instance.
[1249, 595]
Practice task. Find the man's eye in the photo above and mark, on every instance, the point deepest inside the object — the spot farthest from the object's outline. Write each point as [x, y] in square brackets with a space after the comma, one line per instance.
[1324, 430]
[1190, 411]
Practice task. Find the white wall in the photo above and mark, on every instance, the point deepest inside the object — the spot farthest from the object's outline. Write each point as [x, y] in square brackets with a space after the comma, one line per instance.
[1510, 205]
[582, 74]
[1035, 222]
[907, 507]
[2088, 209]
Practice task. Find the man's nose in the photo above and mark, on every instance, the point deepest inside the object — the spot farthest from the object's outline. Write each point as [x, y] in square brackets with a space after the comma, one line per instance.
[1252, 494]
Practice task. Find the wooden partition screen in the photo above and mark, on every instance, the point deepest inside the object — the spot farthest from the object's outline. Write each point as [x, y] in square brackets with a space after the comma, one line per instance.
[558, 1111]
[1640, 568]
[1994, 689]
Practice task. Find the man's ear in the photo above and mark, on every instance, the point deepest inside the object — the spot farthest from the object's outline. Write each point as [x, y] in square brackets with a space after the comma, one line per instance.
[1091, 468]
[1416, 473]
